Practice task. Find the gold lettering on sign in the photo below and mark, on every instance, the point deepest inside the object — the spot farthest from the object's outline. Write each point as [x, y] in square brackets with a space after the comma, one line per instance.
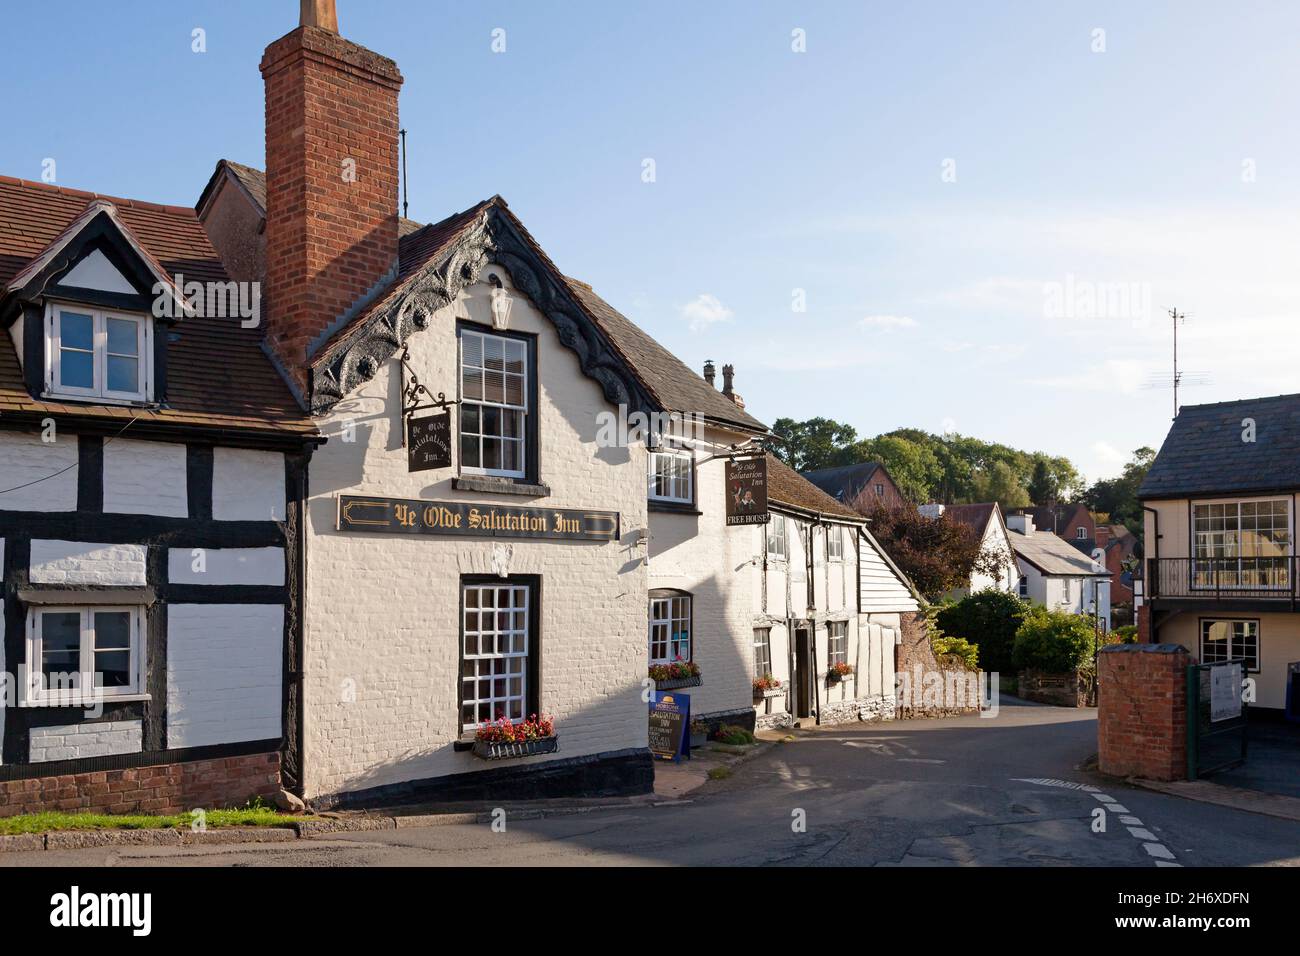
[435, 516]
[565, 525]
[405, 515]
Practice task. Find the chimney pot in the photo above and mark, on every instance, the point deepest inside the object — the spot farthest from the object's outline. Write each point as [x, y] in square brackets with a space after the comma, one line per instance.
[728, 378]
[318, 13]
[710, 372]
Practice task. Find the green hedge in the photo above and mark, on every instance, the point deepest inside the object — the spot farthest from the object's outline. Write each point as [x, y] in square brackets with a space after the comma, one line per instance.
[989, 620]
[1054, 641]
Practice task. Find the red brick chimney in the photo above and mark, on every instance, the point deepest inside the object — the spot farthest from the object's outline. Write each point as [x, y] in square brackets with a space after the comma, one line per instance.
[331, 181]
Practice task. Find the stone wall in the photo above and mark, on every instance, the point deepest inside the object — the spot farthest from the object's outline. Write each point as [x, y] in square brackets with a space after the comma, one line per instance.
[915, 657]
[1142, 711]
[1059, 690]
[169, 788]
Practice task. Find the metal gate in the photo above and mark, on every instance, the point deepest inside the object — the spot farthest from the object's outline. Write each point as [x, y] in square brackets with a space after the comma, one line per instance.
[1216, 717]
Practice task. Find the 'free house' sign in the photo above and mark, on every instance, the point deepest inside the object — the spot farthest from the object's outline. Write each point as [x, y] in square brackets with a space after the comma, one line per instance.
[412, 516]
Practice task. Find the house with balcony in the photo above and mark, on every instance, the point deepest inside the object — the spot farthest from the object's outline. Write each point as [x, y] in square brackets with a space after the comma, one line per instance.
[1219, 574]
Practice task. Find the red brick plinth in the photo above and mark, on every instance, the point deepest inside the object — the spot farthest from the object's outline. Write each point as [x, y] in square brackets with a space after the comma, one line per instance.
[1142, 711]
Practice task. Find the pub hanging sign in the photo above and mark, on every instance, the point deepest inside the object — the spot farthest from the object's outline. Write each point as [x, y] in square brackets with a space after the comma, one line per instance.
[472, 519]
[747, 491]
[428, 442]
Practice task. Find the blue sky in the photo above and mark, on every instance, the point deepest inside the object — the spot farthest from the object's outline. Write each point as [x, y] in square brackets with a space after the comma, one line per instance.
[1100, 178]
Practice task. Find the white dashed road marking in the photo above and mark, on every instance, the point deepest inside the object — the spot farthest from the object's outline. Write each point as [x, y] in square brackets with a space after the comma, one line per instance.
[1155, 849]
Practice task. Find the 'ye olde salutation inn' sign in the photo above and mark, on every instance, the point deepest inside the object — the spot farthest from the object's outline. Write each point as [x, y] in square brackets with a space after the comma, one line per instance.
[747, 491]
[429, 442]
[472, 519]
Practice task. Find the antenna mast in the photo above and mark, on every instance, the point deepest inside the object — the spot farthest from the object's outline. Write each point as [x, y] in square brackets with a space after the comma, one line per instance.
[405, 190]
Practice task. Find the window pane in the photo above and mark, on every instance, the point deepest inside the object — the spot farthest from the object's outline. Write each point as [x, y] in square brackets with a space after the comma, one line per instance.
[77, 369]
[473, 383]
[76, 331]
[494, 354]
[112, 668]
[494, 387]
[123, 337]
[469, 451]
[123, 374]
[472, 349]
[60, 643]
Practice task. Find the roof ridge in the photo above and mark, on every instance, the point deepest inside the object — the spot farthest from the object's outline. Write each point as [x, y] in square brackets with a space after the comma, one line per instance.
[1241, 401]
[120, 201]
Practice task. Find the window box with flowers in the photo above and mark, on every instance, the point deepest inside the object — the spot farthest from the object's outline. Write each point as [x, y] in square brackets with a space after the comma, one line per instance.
[524, 738]
[767, 686]
[679, 673]
[838, 671]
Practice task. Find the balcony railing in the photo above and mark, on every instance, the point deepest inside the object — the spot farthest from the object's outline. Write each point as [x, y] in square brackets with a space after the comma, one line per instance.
[1223, 579]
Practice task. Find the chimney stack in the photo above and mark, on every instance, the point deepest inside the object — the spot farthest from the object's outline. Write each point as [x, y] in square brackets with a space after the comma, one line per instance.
[1023, 522]
[728, 378]
[710, 372]
[331, 182]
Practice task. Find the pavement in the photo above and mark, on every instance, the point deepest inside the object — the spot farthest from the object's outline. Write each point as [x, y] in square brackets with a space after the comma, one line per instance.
[1272, 760]
[965, 791]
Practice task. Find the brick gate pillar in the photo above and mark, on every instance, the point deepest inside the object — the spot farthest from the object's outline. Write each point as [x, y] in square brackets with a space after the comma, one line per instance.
[1142, 711]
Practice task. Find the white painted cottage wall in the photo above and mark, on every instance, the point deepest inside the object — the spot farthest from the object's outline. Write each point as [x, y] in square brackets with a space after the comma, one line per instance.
[382, 627]
[24, 459]
[145, 478]
[247, 485]
[699, 554]
[82, 562]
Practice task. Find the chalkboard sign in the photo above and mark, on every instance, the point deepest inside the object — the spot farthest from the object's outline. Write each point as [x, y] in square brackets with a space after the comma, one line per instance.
[428, 442]
[670, 724]
[747, 491]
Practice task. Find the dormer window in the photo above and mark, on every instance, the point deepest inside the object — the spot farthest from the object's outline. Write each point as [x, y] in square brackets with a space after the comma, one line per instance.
[97, 353]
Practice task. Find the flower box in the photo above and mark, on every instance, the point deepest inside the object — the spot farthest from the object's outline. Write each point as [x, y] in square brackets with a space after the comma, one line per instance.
[673, 683]
[525, 748]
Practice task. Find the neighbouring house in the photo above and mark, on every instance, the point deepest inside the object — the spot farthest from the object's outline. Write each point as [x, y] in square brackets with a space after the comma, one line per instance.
[1117, 548]
[988, 525]
[1056, 575]
[1220, 558]
[1070, 522]
[152, 465]
[862, 487]
[826, 595]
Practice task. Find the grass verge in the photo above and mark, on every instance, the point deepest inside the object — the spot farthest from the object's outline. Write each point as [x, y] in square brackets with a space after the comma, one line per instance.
[250, 816]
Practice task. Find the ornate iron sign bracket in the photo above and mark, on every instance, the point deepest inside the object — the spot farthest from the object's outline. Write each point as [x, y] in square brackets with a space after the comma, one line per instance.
[413, 392]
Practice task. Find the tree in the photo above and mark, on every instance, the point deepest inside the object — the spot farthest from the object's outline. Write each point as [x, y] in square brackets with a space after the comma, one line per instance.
[937, 554]
[914, 467]
[989, 619]
[999, 483]
[1117, 497]
[815, 443]
[1044, 486]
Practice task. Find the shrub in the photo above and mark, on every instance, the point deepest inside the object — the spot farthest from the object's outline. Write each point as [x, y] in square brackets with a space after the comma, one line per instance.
[956, 650]
[1054, 641]
[731, 734]
[989, 620]
[1128, 634]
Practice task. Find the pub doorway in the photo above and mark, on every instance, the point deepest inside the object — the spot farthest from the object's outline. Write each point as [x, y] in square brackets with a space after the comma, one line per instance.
[803, 672]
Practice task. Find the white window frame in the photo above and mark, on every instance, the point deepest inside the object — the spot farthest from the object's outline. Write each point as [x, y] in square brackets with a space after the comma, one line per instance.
[654, 458]
[513, 661]
[763, 645]
[1234, 652]
[1081, 533]
[834, 535]
[776, 533]
[99, 391]
[664, 613]
[84, 690]
[1023, 586]
[837, 632]
[482, 403]
[1207, 562]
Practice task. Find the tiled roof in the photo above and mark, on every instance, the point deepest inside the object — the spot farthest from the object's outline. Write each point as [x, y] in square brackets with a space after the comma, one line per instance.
[217, 375]
[975, 516]
[668, 378]
[1051, 555]
[843, 482]
[1204, 453]
[787, 486]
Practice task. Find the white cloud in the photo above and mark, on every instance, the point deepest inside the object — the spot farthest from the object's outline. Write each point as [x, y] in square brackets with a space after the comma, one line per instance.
[887, 322]
[705, 310]
[1105, 451]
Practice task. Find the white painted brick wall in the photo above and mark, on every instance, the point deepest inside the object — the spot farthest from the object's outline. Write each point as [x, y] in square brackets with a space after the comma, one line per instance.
[145, 478]
[264, 566]
[80, 562]
[224, 665]
[73, 741]
[247, 485]
[25, 458]
[701, 555]
[382, 610]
